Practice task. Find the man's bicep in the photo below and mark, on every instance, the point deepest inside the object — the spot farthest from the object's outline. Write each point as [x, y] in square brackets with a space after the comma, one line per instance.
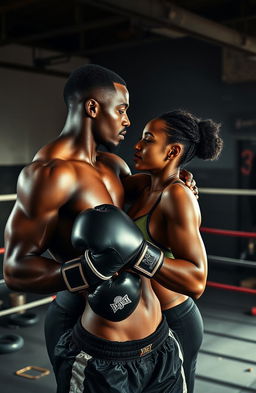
[28, 235]
[41, 192]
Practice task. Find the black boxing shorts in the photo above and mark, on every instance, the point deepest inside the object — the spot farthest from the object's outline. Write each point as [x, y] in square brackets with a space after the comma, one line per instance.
[89, 364]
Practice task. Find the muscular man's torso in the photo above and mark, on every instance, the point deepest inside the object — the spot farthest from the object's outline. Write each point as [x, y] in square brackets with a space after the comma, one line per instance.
[95, 185]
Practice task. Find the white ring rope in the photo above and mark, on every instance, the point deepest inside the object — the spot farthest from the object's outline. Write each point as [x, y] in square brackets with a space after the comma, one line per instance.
[26, 306]
[202, 190]
[226, 191]
[7, 197]
[232, 261]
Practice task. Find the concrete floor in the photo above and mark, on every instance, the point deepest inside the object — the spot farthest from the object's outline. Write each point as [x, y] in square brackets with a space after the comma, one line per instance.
[226, 363]
[227, 359]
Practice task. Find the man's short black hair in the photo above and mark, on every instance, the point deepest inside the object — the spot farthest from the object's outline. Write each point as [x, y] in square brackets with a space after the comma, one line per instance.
[87, 77]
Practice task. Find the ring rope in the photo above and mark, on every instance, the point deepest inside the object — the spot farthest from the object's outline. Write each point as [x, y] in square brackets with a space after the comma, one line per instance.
[49, 299]
[26, 306]
[227, 191]
[214, 231]
[232, 261]
[215, 258]
[227, 232]
[202, 190]
[229, 287]
[8, 197]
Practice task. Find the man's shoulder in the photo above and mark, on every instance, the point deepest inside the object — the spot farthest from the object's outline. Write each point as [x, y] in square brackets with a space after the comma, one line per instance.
[46, 183]
[112, 157]
[48, 170]
[115, 161]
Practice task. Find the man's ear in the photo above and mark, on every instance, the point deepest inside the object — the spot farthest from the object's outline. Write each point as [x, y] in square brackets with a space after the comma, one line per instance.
[91, 107]
[173, 151]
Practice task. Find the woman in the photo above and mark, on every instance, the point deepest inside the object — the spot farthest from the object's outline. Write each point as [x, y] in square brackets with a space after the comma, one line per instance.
[168, 215]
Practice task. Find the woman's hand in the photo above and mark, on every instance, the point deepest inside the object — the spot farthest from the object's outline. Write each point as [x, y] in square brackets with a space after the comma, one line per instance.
[190, 182]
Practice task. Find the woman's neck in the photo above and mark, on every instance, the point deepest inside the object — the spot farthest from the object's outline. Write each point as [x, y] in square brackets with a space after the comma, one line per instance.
[160, 180]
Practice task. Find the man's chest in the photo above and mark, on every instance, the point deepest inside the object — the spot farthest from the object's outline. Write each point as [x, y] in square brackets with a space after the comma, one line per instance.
[95, 187]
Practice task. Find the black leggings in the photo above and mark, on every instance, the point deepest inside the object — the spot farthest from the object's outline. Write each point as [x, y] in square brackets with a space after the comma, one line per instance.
[186, 321]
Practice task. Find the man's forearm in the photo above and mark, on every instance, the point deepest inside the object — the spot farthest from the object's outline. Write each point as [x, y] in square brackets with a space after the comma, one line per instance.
[34, 274]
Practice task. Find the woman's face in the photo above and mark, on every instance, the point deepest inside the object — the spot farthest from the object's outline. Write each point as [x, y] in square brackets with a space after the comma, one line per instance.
[151, 151]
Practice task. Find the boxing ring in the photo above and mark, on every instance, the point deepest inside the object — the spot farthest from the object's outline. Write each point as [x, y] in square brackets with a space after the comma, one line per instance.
[214, 332]
[214, 231]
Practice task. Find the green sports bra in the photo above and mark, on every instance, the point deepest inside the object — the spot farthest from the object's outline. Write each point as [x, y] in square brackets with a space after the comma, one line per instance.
[143, 224]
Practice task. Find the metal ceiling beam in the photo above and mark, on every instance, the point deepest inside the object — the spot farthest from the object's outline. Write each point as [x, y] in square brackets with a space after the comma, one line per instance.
[168, 16]
[120, 45]
[241, 19]
[68, 30]
[153, 11]
[17, 4]
[32, 69]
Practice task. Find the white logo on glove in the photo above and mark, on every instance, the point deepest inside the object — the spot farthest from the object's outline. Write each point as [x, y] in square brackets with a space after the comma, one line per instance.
[119, 303]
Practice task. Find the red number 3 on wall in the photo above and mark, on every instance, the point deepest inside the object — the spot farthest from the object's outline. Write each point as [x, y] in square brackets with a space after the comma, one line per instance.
[246, 161]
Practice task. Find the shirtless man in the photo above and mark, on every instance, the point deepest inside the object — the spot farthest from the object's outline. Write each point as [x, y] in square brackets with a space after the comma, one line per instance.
[66, 177]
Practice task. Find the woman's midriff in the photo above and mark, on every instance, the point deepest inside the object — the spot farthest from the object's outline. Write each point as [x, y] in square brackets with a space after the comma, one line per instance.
[167, 298]
[140, 324]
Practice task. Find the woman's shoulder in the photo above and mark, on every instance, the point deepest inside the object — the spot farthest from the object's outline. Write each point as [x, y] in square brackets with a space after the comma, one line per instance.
[176, 189]
[177, 197]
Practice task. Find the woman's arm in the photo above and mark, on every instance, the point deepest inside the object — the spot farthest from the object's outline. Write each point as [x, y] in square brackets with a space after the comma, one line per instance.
[186, 273]
[135, 184]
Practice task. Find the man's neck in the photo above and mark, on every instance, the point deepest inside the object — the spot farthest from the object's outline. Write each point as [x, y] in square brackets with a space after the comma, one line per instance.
[74, 123]
[77, 137]
[76, 141]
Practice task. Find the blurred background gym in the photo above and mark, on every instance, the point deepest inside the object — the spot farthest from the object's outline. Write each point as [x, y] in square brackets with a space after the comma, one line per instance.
[197, 55]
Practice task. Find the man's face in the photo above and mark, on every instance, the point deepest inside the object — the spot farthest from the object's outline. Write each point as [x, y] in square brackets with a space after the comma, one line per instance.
[112, 120]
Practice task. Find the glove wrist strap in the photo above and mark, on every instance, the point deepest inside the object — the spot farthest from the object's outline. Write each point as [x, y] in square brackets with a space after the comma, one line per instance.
[73, 275]
[93, 269]
[150, 260]
[80, 273]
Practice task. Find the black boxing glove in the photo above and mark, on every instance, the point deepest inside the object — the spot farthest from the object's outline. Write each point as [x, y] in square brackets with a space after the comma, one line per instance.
[112, 240]
[116, 298]
[91, 233]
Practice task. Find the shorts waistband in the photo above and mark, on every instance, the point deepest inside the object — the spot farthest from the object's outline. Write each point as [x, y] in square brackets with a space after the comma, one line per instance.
[115, 350]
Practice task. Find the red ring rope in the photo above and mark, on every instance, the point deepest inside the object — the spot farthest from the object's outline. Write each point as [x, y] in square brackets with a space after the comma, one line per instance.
[227, 232]
[214, 231]
[230, 287]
